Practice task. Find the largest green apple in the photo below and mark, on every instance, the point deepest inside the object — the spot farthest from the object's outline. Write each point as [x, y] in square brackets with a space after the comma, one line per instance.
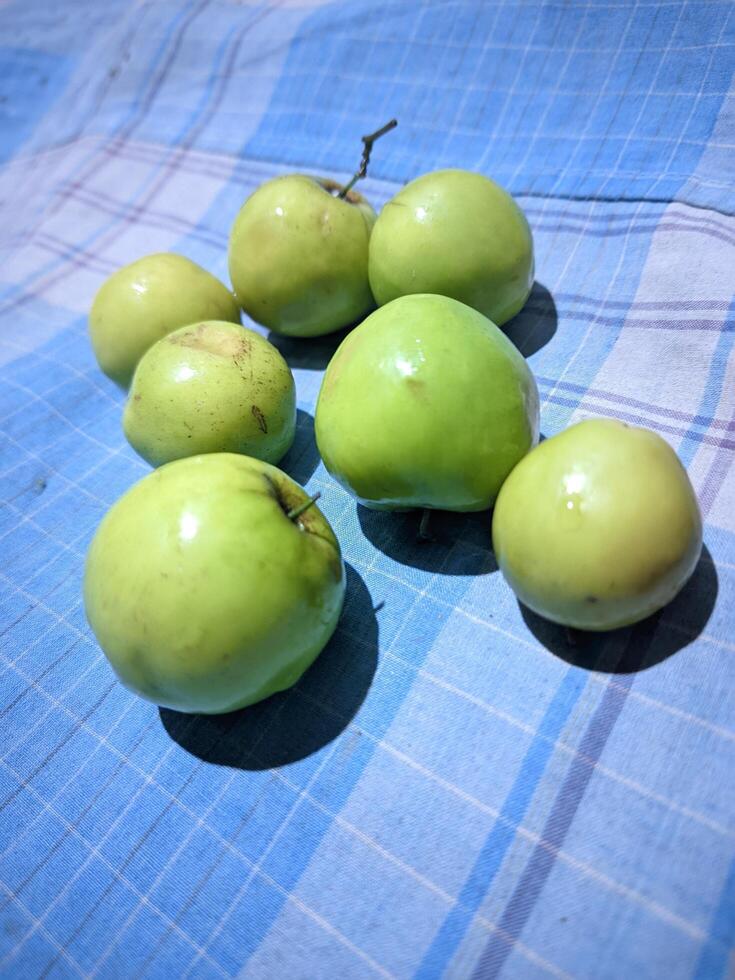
[426, 404]
[144, 301]
[598, 527]
[207, 589]
[456, 233]
[299, 256]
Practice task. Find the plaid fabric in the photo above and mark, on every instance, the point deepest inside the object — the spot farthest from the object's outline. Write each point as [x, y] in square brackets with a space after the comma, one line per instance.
[453, 789]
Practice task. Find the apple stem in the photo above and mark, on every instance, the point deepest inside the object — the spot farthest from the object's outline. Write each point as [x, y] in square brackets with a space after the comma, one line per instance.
[367, 150]
[298, 511]
[424, 532]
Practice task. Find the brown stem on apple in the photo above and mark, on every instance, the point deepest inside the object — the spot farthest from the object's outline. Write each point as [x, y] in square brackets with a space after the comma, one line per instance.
[424, 534]
[298, 511]
[367, 150]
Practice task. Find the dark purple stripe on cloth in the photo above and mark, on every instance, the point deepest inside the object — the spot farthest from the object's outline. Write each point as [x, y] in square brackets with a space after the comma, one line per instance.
[155, 219]
[147, 101]
[240, 173]
[636, 229]
[713, 481]
[695, 218]
[101, 159]
[696, 437]
[690, 304]
[75, 190]
[74, 255]
[525, 895]
[641, 323]
[647, 407]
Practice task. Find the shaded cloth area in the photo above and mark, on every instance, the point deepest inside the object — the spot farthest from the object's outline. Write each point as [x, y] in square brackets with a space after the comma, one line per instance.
[296, 723]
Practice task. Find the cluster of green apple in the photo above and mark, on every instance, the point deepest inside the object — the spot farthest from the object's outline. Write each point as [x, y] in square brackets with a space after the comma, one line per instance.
[216, 581]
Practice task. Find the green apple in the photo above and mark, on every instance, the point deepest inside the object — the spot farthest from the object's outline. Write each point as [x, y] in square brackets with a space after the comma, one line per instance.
[598, 527]
[211, 387]
[147, 299]
[426, 404]
[456, 233]
[298, 256]
[207, 589]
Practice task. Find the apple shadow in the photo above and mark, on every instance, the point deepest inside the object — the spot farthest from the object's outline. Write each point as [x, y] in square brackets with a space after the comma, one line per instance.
[639, 647]
[396, 534]
[535, 325]
[294, 724]
[303, 457]
[311, 353]
[530, 330]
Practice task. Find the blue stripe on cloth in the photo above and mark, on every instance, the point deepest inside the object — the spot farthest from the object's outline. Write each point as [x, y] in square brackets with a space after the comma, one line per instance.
[501, 119]
[44, 77]
[713, 389]
[502, 835]
[531, 882]
[713, 963]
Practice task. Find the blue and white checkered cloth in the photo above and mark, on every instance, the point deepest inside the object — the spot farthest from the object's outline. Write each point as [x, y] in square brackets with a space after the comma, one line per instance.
[453, 790]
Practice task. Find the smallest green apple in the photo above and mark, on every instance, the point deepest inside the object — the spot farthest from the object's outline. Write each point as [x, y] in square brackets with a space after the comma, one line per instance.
[147, 299]
[211, 387]
[598, 527]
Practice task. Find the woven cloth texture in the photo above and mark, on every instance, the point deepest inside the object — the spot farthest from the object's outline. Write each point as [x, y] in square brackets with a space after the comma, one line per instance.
[452, 790]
